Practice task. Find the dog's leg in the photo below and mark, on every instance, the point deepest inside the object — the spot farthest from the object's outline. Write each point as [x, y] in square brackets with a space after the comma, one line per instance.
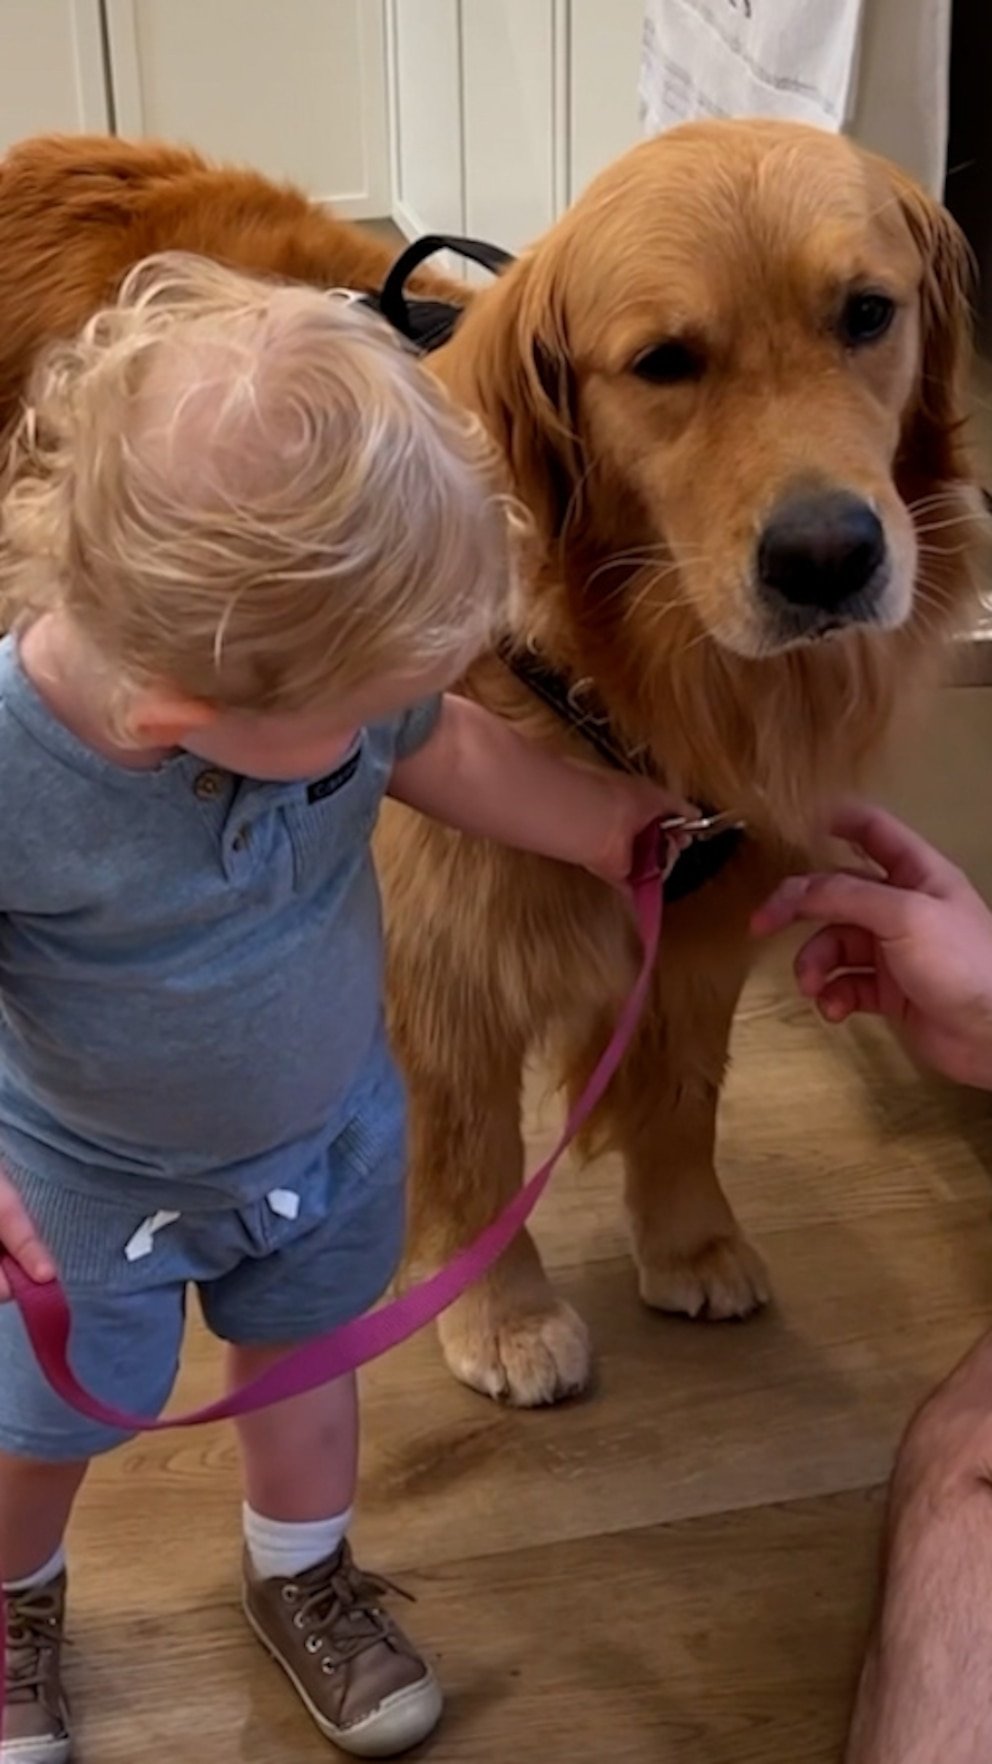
[474, 980]
[690, 1253]
[509, 1336]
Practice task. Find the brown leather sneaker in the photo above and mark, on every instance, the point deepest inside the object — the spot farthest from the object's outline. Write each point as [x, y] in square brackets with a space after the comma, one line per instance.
[360, 1678]
[36, 1716]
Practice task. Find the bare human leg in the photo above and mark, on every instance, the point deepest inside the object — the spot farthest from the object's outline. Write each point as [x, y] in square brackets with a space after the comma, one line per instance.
[36, 1499]
[926, 1688]
[300, 1459]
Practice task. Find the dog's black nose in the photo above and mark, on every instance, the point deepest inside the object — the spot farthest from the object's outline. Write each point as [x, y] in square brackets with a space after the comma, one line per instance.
[821, 549]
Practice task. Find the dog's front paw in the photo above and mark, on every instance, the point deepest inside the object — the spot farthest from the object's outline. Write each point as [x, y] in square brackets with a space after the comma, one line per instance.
[530, 1359]
[724, 1279]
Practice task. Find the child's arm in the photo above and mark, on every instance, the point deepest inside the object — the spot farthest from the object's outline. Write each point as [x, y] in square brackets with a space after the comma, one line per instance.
[476, 773]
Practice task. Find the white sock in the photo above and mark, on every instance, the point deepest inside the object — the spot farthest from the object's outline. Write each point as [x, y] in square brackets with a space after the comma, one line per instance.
[41, 1577]
[279, 1550]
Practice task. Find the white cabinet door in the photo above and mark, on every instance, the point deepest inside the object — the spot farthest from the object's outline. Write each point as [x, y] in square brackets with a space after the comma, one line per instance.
[509, 61]
[51, 69]
[473, 104]
[502, 110]
[604, 64]
[296, 88]
[426, 113]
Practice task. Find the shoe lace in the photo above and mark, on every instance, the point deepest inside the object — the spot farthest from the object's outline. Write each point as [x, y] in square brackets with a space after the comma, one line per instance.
[33, 1627]
[338, 1606]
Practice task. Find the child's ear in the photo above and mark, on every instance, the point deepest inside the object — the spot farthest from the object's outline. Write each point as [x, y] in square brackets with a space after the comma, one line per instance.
[160, 718]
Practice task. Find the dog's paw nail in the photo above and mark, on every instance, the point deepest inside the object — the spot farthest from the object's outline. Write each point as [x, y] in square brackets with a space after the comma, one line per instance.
[528, 1361]
[723, 1280]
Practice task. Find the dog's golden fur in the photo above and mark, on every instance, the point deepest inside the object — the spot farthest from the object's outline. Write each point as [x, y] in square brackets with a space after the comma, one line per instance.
[742, 239]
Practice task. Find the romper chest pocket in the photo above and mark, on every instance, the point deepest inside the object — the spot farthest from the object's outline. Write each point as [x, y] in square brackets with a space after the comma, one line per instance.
[333, 819]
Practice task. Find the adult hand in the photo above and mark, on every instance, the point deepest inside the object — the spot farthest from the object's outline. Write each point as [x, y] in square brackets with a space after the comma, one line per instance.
[913, 944]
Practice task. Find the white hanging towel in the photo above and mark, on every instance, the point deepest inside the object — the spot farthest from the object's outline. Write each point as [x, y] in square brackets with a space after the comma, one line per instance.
[877, 68]
[750, 58]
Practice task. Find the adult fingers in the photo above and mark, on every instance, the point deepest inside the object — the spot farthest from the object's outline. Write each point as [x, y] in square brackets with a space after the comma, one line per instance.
[848, 995]
[837, 897]
[830, 951]
[907, 859]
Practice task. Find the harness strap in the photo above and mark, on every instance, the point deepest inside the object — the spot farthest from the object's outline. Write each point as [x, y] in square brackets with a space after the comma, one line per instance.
[423, 321]
[575, 706]
[581, 711]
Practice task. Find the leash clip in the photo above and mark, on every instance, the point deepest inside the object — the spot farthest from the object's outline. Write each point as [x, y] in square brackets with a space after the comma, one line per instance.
[703, 827]
[661, 843]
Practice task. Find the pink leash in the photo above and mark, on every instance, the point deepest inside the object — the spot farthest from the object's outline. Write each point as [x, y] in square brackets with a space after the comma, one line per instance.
[45, 1311]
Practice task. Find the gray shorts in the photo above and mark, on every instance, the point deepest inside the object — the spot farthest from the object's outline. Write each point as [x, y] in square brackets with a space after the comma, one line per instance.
[264, 1277]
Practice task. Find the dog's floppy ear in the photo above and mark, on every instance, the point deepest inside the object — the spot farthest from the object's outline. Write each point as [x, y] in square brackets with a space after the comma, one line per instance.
[933, 434]
[512, 363]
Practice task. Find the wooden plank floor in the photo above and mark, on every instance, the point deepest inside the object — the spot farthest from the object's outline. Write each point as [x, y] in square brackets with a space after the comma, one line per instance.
[678, 1570]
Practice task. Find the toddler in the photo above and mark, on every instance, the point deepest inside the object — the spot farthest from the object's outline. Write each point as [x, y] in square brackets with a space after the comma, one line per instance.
[248, 545]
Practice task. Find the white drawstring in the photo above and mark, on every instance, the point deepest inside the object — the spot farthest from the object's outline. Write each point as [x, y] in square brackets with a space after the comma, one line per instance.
[143, 1241]
[284, 1202]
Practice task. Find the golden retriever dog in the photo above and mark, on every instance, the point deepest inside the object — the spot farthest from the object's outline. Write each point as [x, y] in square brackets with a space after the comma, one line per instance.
[728, 387]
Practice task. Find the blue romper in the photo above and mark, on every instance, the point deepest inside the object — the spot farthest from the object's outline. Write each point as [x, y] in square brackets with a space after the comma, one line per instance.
[195, 1083]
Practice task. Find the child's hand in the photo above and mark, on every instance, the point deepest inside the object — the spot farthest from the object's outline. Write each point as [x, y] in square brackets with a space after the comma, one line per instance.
[633, 803]
[19, 1240]
[915, 946]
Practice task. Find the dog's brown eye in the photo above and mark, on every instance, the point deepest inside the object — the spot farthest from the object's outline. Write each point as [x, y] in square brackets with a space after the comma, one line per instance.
[866, 318]
[669, 364]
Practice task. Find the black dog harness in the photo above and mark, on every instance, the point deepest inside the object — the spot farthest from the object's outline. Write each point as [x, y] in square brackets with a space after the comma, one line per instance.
[427, 324]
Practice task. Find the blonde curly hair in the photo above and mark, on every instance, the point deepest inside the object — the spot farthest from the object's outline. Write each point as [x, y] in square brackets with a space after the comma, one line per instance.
[251, 491]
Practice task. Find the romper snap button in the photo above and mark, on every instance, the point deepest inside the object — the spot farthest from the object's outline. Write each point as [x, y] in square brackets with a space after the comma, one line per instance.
[208, 785]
